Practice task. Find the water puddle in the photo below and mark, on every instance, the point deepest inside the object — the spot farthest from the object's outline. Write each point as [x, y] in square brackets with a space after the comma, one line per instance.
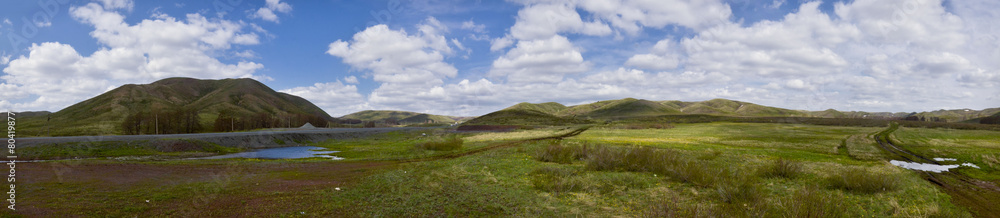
[931, 167]
[281, 153]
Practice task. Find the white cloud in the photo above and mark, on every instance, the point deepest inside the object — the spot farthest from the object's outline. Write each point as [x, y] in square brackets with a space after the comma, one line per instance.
[801, 44]
[921, 22]
[248, 54]
[351, 80]
[149, 50]
[661, 57]
[118, 4]
[543, 21]
[265, 14]
[501, 43]
[632, 15]
[279, 6]
[336, 98]
[546, 60]
[776, 4]
[396, 57]
[471, 25]
[268, 12]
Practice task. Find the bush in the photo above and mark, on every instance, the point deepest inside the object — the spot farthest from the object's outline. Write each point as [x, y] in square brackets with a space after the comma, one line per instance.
[562, 154]
[782, 168]
[556, 179]
[448, 144]
[642, 159]
[739, 190]
[812, 202]
[861, 180]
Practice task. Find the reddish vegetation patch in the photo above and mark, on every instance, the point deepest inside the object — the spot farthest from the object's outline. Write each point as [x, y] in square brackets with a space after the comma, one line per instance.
[488, 127]
[223, 188]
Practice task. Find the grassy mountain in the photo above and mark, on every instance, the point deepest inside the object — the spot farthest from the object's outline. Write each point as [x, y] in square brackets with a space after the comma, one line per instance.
[399, 116]
[195, 104]
[526, 117]
[548, 107]
[551, 112]
[737, 108]
[628, 107]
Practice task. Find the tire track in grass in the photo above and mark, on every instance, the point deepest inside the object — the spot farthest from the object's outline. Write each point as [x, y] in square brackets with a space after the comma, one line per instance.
[981, 197]
[495, 146]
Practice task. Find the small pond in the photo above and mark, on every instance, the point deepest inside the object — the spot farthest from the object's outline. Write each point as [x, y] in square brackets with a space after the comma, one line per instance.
[281, 153]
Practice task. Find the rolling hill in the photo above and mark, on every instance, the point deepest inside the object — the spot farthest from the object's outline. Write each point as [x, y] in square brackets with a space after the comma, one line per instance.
[550, 112]
[628, 107]
[180, 105]
[402, 117]
[548, 107]
[524, 117]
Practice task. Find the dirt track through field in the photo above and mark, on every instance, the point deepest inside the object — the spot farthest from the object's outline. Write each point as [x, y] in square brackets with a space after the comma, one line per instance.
[981, 197]
[496, 146]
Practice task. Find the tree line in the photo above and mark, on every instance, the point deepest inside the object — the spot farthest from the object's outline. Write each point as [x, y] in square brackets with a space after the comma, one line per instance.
[187, 120]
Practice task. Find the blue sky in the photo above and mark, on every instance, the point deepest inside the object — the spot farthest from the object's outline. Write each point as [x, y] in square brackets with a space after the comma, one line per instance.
[473, 57]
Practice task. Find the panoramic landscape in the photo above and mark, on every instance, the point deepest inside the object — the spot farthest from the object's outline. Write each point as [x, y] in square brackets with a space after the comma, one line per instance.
[556, 108]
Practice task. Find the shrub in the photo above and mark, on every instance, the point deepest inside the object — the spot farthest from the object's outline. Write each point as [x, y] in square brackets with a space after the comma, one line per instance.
[812, 202]
[642, 159]
[561, 154]
[860, 180]
[693, 172]
[739, 191]
[782, 168]
[556, 179]
[448, 144]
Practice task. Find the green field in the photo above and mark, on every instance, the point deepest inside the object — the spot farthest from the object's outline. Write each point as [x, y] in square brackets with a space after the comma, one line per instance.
[717, 169]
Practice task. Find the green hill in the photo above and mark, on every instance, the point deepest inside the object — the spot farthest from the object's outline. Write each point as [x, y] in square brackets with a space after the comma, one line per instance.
[548, 107]
[402, 117]
[551, 112]
[828, 113]
[737, 108]
[522, 117]
[180, 105]
[628, 107]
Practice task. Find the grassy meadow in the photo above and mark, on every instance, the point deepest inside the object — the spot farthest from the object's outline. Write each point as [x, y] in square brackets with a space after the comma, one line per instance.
[719, 169]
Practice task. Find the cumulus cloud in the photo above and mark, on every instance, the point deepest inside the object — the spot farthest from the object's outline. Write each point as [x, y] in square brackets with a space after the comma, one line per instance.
[336, 98]
[632, 15]
[118, 4]
[545, 60]
[471, 25]
[501, 43]
[268, 11]
[801, 44]
[661, 57]
[351, 80]
[393, 56]
[144, 52]
[543, 21]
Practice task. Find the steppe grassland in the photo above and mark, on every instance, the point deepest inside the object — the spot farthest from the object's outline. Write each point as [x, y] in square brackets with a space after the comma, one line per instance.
[737, 161]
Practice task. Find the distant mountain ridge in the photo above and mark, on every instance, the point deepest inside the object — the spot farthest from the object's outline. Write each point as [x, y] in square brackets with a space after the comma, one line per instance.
[631, 107]
[402, 117]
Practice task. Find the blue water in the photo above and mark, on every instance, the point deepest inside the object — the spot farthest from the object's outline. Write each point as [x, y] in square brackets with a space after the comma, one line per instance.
[281, 153]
